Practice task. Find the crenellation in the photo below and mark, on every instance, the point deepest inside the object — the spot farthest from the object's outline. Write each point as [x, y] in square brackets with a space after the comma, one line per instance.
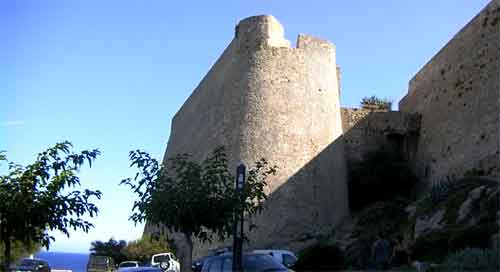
[260, 32]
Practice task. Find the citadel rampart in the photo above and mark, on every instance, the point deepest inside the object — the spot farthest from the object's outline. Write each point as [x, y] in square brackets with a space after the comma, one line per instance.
[366, 130]
[457, 95]
[263, 98]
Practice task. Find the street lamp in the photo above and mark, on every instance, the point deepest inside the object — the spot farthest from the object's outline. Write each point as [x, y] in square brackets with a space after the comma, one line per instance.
[238, 220]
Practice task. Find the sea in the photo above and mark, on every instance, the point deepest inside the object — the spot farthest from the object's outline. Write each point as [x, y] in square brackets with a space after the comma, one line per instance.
[76, 262]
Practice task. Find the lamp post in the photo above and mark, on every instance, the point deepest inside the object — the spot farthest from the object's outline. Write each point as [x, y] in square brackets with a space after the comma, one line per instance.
[238, 221]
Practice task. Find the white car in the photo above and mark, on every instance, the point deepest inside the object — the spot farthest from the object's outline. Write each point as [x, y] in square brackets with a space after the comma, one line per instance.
[285, 257]
[173, 264]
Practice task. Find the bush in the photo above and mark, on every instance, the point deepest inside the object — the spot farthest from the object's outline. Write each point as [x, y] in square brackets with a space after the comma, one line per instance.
[320, 257]
[358, 254]
[382, 175]
[379, 103]
[387, 217]
[473, 236]
[435, 245]
[472, 259]
[431, 246]
[441, 190]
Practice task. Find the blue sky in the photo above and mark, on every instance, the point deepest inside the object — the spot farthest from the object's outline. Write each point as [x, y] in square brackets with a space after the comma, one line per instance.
[111, 74]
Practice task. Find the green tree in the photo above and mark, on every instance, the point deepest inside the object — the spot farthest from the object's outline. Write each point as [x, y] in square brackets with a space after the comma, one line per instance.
[111, 248]
[42, 197]
[143, 249]
[374, 101]
[196, 199]
[19, 250]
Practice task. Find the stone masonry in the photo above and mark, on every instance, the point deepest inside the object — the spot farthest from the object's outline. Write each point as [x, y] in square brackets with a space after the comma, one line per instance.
[457, 95]
[263, 98]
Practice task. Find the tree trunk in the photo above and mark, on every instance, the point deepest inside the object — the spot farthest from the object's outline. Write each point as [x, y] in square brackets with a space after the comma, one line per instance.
[187, 254]
[6, 243]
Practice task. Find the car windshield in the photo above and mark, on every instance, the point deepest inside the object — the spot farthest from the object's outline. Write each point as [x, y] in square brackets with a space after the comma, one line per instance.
[161, 258]
[128, 264]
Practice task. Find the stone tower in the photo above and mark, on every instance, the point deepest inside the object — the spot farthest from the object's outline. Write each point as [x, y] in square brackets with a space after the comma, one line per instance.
[263, 98]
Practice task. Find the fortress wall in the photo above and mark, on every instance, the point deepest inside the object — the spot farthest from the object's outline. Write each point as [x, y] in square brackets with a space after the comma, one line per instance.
[293, 116]
[265, 99]
[199, 123]
[366, 130]
[457, 94]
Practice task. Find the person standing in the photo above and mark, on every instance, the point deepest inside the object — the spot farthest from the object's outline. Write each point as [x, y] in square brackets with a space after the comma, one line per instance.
[381, 252]
[400, 256]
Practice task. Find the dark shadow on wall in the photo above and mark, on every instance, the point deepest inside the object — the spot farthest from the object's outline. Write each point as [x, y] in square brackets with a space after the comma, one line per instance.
[312, 202]
[307, 205]
[306, 208]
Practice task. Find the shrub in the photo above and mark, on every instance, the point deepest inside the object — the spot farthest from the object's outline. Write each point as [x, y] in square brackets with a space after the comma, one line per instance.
[441, 190]
[320, 257]
[382, 175]
[387, 217]
[435, 245]
[358, 253]
[474, 172]
[380, 103]
[431, 246]
[472, 259]
[473, 236]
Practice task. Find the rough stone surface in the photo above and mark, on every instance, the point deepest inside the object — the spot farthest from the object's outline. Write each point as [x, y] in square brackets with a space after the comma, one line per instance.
[264, 99]
[425, 224]
[365, 130]
[457, 94]
[466, 207]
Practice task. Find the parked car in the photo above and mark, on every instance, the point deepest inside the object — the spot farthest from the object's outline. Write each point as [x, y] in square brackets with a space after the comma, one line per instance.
[285, 257]
[252, 262]
[166, 258]
[127, 264]
[100, 264]
[141, 269]
[31, 265]
[197, 264]
[220, 250]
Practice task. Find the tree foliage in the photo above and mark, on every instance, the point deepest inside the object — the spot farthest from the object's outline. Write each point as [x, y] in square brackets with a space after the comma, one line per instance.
[374, 101]
[42, 197]
[197, 199]
[111, 248]
[143, 249]
[19, 250]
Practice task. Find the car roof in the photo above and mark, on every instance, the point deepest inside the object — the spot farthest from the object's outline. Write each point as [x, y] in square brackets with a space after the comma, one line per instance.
[140, 269]
[231, 254]
[34, 259]
[164, 253]
[272, 250]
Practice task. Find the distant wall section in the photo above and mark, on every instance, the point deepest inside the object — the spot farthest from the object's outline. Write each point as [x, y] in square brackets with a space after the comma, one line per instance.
[367, 130]
[457, 94]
